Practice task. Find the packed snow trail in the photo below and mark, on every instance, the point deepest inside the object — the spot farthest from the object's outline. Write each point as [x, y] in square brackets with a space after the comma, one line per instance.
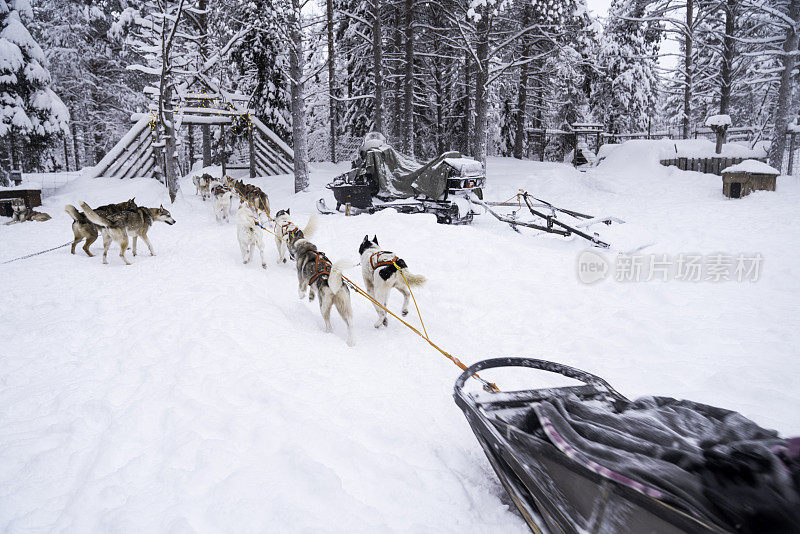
[191, 393]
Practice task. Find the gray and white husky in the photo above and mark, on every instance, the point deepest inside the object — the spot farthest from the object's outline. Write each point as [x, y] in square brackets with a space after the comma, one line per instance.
[117, 226]
[380, 271]
[249, 234]
[285, 227]
[323, 279]
[22, 213]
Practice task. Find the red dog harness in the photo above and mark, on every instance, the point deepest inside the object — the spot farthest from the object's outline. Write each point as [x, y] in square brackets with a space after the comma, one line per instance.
[322, 266]
[381, 262]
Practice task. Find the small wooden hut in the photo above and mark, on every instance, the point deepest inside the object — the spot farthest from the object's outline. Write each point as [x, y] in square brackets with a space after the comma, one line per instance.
[750, 175]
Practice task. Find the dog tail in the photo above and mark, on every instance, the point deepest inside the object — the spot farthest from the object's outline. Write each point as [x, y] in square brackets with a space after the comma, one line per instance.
[414, 280]
[73, 212]
[94, 217]
[311, 226]
[335, 278]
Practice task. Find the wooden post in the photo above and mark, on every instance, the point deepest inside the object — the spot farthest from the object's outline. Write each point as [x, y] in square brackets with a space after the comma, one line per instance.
[66, 155]
[223, 156]
[542, 143]
[252, 148]
[791, 153]
[191, 147]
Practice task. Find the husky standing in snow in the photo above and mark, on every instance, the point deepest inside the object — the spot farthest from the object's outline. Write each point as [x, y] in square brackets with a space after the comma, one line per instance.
[284, 227]
[249, 234]
[118, 225]
[83, 228]
[323, 279]
[222, 201]
[23, 213]
[202, 184]
[380, 271]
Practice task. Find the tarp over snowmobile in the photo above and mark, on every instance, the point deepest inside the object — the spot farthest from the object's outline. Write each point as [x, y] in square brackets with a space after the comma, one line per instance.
[399, 176]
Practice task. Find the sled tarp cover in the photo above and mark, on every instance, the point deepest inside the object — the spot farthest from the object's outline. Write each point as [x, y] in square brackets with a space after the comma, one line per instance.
[400, 176]
[680, 449]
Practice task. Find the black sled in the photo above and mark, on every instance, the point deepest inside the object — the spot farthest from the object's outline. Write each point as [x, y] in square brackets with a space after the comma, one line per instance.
[557, 490]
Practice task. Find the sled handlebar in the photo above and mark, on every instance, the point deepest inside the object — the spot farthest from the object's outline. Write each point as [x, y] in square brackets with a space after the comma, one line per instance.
[592, 382]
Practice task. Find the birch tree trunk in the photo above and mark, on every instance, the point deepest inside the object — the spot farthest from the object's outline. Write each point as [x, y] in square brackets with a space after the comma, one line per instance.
[168, 122]
[785, 90]
[481, 79]
[687, 66]
[522, 92]
[408, 100]
[332, 81]
[467, 149]
[202, 18]
[377, 62]
[728, 51]
[296, 71]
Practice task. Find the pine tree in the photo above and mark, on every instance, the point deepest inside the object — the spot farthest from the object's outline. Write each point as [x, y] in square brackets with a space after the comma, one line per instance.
[625, 96]
[31, 114]
[262, 62]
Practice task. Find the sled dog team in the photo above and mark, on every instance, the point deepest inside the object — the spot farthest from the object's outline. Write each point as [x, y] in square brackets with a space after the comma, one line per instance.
[381, 270]
[316, 273]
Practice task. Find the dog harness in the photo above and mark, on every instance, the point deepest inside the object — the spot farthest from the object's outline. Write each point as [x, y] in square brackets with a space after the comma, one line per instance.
[322, 266]
[382, 259]
[289, 230]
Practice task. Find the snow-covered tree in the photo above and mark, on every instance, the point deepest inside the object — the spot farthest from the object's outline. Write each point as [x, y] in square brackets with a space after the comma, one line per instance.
[624, 98]
[30, 111]
[263, 62]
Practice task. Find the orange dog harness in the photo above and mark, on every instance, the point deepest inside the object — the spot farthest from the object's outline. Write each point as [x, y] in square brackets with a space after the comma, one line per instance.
[381, 262]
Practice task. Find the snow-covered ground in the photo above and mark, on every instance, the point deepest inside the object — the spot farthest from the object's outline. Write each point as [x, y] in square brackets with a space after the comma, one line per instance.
[191, 393]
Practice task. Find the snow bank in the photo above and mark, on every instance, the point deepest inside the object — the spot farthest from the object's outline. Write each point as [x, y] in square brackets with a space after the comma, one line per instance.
[649, 153]
[754, 166]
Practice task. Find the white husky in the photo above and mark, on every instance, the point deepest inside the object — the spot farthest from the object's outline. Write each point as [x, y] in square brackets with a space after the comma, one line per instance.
[249, 234]
[380, 271]
[222, 202]
[285, 228]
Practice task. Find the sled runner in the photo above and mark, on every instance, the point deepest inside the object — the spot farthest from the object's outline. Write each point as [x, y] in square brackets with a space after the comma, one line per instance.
[584, 458]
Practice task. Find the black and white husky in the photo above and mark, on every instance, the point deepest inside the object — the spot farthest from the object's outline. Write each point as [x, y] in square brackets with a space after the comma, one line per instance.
[323, 279]
[381, 274]
[284, 227]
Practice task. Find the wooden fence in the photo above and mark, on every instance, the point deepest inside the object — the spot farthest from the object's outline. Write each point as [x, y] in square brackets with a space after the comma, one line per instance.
[707, 165]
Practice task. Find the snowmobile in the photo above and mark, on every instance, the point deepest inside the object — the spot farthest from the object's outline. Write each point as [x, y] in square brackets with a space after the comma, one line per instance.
[383, 178]
[583, 458]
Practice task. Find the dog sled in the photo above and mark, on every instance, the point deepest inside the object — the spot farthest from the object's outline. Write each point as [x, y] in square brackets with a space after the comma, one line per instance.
[383, 178]
[583, 458]
[545, 218]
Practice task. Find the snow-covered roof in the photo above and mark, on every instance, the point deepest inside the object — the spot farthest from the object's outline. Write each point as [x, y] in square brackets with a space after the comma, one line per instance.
[752, 166]
[718, 120]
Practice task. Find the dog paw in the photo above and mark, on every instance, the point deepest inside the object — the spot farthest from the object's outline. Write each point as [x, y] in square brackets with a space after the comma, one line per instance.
[404, 313]
[385, 321]
[284, 260]
[264, 265]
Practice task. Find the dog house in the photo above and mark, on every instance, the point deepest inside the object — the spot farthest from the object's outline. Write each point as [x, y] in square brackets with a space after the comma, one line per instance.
[750, 175]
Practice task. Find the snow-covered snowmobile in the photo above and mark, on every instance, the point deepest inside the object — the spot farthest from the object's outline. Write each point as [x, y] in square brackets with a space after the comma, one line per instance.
[583, 458]
[383, 178]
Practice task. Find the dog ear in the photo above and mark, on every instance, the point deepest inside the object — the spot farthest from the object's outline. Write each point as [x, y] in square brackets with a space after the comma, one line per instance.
[375, 239]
